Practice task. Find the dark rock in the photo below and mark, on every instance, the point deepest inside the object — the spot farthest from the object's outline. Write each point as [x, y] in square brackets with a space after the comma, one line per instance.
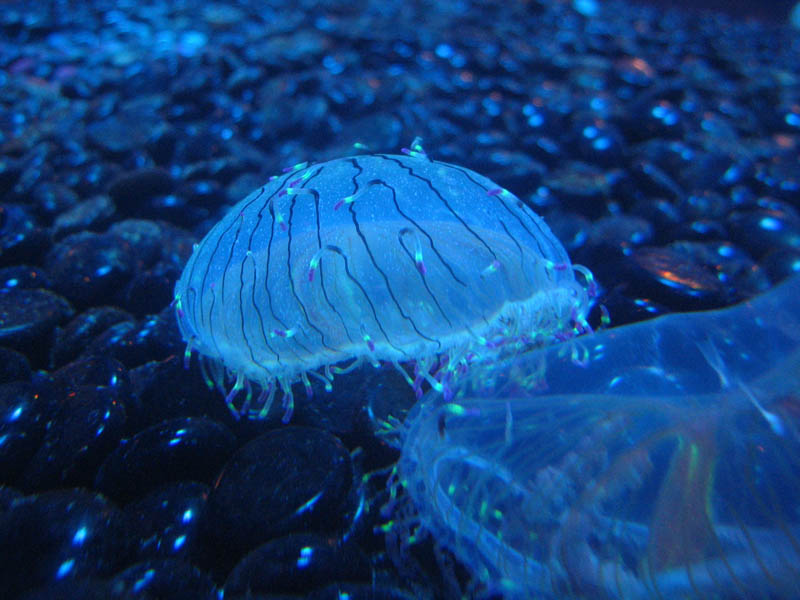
[193, 85]
[780, 176]
[86, 589]
[94, 214]
[162, 143]
[75, 336]
[14, 366]
[693, 275]
[244, 78]
[581, 187]
[91, 268]
[21, 238]
[655, 181]
[23, 277]
[741, 276]
[781, 263]
[222, 169]
[101, 371]
[91, 178]
[88, 425]
[621, 231]
[154, 338]
[624, 306]
[52, 199]
[658, 118]
[664, 216]
[361, 591]
[701, 229]
[28, 318]
[135, 189]
[289, 479]
[60, 535]
[8, 496]
[571, 229]
[671, 277]
[513, 170]
[177, 450]
[298, 563]
[167, 390]
[10, 171]
[599, 142]
[175, 208]
[775, 226]
[122, 133]
[708, 205]
[284, 111]
[146, 239]
[173, 579]
[152, 289]
[166, 521]
[24, 414]
[203, 193]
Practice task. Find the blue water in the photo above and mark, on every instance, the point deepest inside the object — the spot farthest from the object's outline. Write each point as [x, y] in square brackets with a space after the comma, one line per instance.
[655, 460]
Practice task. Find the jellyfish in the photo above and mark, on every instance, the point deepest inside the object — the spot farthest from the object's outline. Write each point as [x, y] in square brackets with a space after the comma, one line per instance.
[396, 259]
[665, 465]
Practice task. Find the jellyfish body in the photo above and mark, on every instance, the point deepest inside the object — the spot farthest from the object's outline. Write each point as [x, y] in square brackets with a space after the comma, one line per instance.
[664, 466]
[398, 259]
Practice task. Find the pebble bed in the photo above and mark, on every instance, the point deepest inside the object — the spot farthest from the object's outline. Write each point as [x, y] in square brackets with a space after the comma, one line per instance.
[662, 149]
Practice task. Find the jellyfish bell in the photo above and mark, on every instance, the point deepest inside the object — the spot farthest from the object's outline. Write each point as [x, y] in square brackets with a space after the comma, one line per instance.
[397, 259]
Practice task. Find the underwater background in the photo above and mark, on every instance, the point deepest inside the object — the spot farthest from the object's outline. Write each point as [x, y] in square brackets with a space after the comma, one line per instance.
[661, 144]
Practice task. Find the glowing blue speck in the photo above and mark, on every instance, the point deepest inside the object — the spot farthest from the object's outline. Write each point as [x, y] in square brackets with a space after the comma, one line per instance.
[191, 41]
[80, 536]
[536, 120]
[598, 103]
[15, 414]
[305, 557]
[547, 145]
[188, 514]
[323, 23]
[144, 580]
[602, 143]
[590, 132]
[731, 174]
[588, 8]
[491, 106]
[308, 505]
[444, 51]
[770, 224]
[65, 568]
[333, 65]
